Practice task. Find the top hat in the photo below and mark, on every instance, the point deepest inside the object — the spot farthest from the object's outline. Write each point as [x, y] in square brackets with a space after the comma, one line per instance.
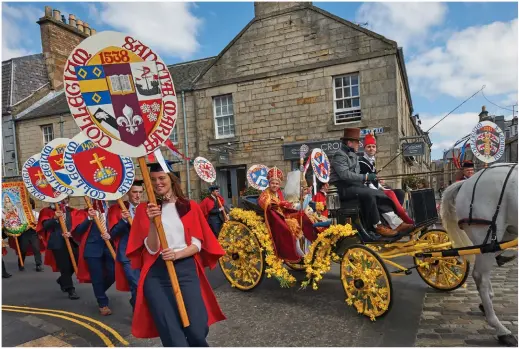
[351, 134]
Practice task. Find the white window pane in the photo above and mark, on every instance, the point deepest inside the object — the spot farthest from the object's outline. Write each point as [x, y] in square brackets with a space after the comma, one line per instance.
[347, 103]
[229, 99]
[346, 81]
[217, 101]
[355, 90]
[231, 120]
[219, 122]
[224, 110]
[338, 93]
[220, 131]
[218, 111]
[338, 82]
[231, 111]
[347, 92]
[355, 102]
[340, 104]
[355, 80]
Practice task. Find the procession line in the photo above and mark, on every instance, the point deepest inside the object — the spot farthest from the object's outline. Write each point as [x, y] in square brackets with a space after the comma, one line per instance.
[99, 323]
[101, 335]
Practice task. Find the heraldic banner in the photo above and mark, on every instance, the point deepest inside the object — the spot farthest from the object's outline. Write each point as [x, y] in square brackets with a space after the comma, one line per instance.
[16, 209]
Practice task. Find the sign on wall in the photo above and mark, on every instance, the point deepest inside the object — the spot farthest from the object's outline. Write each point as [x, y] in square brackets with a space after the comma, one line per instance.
[413, 149]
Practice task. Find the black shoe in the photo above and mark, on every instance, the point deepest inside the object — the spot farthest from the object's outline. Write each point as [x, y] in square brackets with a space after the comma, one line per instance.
[39, 268]
[502, 260]
[6, 276]
[21, 268]
[72, 295]
[59, 283]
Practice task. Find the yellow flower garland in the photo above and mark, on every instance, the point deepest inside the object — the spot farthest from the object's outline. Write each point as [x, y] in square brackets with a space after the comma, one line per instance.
[321, 264]
[319, 206]
[274, 263]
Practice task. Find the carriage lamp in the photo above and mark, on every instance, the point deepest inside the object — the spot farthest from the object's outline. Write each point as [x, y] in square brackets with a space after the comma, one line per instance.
[333, 203]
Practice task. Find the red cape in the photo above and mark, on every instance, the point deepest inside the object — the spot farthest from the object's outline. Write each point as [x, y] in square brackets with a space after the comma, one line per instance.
[320, 197]
[114, 216]
[208, 204]
[195, 225]
[77, 216]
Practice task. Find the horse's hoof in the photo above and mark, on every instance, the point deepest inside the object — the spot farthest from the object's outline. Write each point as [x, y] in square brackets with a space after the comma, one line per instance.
[508, 339]
[482, 309]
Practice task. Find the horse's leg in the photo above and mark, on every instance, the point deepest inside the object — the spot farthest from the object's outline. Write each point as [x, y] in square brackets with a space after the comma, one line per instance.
[481, 275]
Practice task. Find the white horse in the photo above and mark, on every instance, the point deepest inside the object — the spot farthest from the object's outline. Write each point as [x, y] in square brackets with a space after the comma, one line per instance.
[455, 206]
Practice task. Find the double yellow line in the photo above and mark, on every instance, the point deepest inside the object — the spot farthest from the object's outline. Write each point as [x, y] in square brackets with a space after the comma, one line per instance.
[63, 315]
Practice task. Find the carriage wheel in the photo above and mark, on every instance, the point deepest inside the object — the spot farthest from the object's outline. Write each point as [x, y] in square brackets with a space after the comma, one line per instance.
[445, 274]
[366, 281]
[243, 264]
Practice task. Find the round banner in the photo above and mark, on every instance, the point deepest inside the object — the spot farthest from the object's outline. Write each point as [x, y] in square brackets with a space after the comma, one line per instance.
[120, 93]
[204, 169]
[53, 167]
[37, 184]
[487, 142]
[257, 177]
[100, 174]
[320, 165]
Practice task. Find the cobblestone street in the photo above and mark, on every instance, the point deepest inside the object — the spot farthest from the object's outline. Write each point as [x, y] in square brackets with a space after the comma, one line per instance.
[454, 319]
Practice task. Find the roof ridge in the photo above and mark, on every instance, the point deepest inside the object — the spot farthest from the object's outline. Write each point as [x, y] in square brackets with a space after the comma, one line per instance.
[15, 58]
[193, 61]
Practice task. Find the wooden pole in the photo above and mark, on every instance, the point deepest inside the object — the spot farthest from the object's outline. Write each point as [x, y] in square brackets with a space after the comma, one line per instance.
[101, 227]
[226, 218]
[123, 207]
[164, 243]
[67, 242]
[18, 250]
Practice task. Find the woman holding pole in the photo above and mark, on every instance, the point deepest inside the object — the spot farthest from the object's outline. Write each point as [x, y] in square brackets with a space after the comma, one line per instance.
[192, 246]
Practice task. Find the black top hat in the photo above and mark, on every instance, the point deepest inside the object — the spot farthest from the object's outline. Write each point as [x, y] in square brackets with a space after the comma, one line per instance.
[155, 167]
[468, 164]
[351, 133]
[214, 187]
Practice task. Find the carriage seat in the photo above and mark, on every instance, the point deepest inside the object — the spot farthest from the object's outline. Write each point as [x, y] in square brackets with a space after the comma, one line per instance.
[250, 202]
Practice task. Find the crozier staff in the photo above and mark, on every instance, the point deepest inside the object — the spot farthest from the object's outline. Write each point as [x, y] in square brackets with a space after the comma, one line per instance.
[192, 246]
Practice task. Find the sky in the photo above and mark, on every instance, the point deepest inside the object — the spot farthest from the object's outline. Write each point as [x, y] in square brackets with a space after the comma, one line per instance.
[451, 49]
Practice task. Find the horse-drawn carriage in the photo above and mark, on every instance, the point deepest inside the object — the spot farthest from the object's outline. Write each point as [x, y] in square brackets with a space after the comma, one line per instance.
[366, 259]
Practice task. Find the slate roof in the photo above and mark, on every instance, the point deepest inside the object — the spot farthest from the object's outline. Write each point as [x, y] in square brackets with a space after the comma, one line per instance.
[22, 76]
[55, 103]
[184, 74]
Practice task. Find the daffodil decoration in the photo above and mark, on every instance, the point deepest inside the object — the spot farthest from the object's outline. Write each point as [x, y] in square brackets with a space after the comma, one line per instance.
[319, 206]
[275, 265]
[318, 259]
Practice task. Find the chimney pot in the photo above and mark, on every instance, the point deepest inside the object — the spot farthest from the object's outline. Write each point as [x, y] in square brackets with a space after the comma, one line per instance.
[79, 25]
[92, 31]
[87, 29]
[57, 15]
[72, 20]
[48, 11]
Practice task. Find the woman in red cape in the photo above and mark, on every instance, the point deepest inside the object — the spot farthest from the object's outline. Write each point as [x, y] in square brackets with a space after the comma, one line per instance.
[192, 246]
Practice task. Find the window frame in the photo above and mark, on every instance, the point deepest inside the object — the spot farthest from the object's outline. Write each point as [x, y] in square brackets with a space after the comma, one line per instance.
[43, 127]
[351, 109]
[215, 117]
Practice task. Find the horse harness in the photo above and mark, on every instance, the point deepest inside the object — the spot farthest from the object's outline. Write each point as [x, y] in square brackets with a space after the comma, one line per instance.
[492, 228]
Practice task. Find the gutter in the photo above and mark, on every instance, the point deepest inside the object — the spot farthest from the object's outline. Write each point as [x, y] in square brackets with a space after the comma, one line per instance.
[15, 145]
[186, 146]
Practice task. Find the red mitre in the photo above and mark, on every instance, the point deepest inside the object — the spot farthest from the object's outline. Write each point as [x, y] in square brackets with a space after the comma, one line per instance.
[275, 173]
[369, 139]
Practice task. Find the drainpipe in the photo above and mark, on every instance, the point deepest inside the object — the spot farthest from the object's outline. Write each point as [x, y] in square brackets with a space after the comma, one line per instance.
[61, 125]
[15, 145]
[185, 146]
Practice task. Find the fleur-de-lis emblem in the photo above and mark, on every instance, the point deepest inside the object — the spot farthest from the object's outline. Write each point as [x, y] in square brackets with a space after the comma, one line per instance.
[129, 120]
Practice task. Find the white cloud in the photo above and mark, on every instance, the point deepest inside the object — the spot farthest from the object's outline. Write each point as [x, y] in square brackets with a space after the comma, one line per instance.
[406, 23]
[476, 56]
[169, 27]
[14, 20]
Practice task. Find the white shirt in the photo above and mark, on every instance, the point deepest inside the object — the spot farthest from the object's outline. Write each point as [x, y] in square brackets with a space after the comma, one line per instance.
[36, 214]
[174, 230]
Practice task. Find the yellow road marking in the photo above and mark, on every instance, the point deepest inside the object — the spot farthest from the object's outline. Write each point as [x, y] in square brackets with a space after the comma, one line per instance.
[101, 335]
[99, 323]
[47, 341]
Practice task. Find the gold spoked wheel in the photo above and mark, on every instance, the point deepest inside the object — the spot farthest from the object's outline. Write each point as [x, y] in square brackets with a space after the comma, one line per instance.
[445, 274]
[366, 281]
[243, 264]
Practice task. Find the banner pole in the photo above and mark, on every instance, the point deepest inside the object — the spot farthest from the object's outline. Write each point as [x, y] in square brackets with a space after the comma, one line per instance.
[101, 228]
[67, 241]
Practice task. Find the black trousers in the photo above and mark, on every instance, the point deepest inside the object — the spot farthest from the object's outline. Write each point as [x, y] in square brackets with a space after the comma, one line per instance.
[372, 202]
[4, 269]
[65, 266]
[163, 305]
[400, 195]
[30, 237]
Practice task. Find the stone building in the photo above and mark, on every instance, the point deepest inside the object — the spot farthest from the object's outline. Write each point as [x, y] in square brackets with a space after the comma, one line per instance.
[294, 75]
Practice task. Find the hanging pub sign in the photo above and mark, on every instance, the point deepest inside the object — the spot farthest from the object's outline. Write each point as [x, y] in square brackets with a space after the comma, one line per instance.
[120, 94]
[36, 182]
[413, 149]
[487, 142]
[100, 174]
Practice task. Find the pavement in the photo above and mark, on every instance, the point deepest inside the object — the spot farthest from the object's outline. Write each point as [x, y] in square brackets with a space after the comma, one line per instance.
[36, 313]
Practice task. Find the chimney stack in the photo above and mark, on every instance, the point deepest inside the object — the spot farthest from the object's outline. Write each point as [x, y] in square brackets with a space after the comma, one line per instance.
[484, 114]
[48, 11]
[92, 31]
[79, 24]
[72, 20]
[57, 15]
[87, 28]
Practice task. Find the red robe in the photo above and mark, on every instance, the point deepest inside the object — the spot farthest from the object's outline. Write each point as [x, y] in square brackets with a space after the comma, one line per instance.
[208, 204]
[195, 225]
[114, 216]
[78, 216]
[321, 197]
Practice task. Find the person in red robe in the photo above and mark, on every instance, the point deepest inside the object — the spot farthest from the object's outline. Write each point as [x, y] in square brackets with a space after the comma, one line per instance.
[192, 246]
[320, 196]
[57, 255]
[126, 278]
[282, 220]
[212, 208]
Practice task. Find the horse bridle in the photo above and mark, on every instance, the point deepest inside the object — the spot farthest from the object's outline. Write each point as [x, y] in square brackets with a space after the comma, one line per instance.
[492, 228]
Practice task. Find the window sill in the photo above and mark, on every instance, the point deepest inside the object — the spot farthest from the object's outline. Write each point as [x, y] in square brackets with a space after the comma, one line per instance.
[219, 141]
